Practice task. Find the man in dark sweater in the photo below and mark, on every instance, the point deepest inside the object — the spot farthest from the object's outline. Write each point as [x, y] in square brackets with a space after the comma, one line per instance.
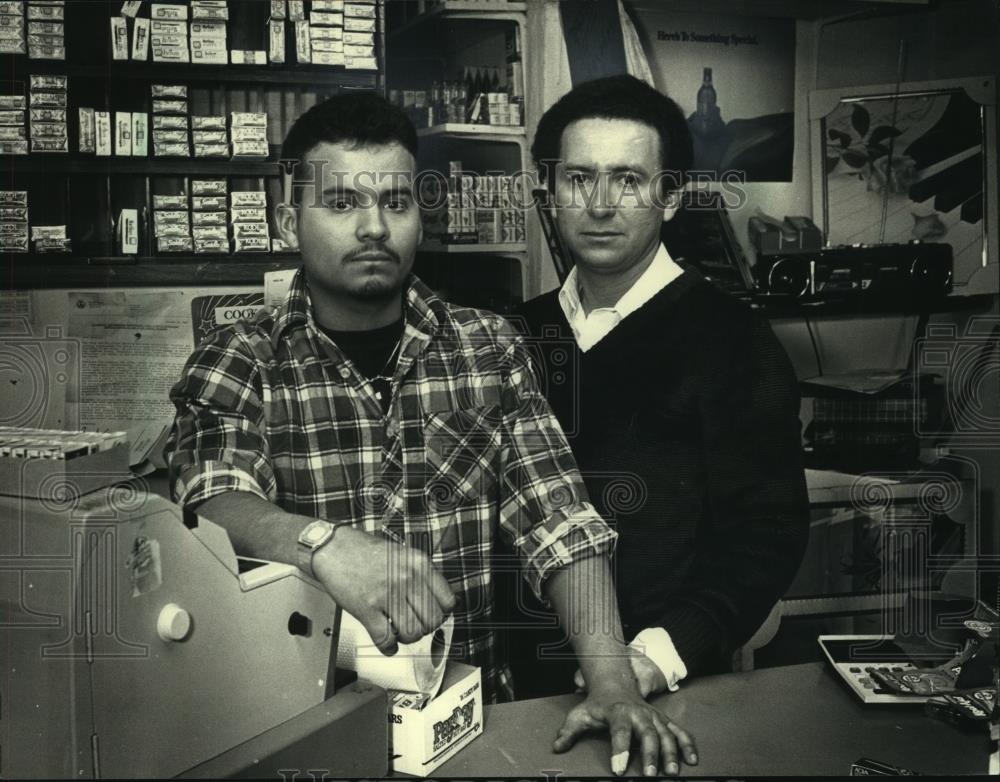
[678, 401]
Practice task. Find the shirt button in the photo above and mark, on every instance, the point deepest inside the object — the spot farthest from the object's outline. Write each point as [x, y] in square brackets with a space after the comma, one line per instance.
[345, 372]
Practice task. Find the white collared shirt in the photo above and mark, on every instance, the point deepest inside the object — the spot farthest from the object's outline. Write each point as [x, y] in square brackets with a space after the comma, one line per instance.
[589, 329]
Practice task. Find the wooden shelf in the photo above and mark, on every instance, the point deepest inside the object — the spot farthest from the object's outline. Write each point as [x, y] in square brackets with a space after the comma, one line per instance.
[506, 248]
[59, 271]
[495, 10]
[42, 163]
[126, 71]
[508, 133]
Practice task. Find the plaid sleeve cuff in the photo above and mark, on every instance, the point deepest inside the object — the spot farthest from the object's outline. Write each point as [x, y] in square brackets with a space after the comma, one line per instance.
[198, 482]
[575, 532]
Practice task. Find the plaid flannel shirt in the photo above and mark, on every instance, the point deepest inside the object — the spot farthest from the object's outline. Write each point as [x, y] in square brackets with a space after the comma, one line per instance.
[469, 447]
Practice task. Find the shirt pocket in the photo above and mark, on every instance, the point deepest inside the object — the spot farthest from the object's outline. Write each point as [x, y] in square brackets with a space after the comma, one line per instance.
[462, 450]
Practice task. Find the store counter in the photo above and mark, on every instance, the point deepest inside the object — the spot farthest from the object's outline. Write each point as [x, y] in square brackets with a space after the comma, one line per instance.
[797, 720]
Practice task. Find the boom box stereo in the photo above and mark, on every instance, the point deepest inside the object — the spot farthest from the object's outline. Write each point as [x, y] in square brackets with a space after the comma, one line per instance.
[906, 272]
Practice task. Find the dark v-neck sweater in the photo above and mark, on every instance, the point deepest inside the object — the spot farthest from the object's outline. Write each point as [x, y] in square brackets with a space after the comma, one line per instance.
[684, 422]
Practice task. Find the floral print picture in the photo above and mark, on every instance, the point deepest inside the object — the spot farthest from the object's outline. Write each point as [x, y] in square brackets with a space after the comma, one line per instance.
[907, 167]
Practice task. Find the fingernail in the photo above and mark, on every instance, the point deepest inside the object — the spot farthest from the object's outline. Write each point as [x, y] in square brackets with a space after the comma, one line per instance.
[692, 758]
[619, 763]
[672, 768]
[650, 771]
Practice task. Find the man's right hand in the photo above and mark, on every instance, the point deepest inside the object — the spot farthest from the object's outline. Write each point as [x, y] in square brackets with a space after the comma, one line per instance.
[394, 591]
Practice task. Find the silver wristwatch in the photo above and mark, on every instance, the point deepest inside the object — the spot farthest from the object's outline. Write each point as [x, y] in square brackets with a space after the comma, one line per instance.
[314, 536]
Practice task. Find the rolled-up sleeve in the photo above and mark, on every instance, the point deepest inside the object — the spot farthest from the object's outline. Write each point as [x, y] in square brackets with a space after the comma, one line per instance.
[544, 504]
[217, 443]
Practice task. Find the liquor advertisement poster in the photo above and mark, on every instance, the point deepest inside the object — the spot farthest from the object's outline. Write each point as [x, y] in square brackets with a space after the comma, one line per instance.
[734, 78]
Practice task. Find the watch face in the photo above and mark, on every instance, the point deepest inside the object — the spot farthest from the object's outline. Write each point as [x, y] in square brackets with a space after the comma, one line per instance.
[315, 534]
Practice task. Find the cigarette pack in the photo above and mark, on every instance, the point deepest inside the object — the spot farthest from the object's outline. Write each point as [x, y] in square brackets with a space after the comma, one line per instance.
[248, 119]
[210, 56]
[168, 11]
[358, 10]
[303, 48]
[47, 52]
[248, 57]
[202, 219]
[169, 39]
[140, 134]
[20, 133]
[276, 40]
[170, 149]
[329, 58]
[243, 230]
[14, 197]
[247, 198]
[131, 8]
[13, 147]
[210, 203]
[10, 102]
[358, 24]
[210, 137]
[15, 45]
[140, 40]
[170, 202]
[170, 54]
[119, 38]
[328, 5]
[318, 34]
[361, 39]
[54, 100]
[172, 230]
[17, 214]
[200, 12]
[218, 231]
[174, 244]
[255, 244]
[123, 133]
[176, 216]
[296, 10]
[17, 117]
[13, 244]
[12, 7]
[321, 46]
[41, 40]
[326, 19]
[170, 136]
[249, 214]
[102, 133]
[207, 187]
[170, 106]
[211, 245]
[169, 122]
[45, 28]
[215, 31]
[167, 27]
[12, 229]
[211, 150]
[360, 63]
[128, 231]
[249, 133]
[208, 122]
[48, 232]
[44, 12]
[358, 51]
[48, 82]
[254, 149]
[278, 9]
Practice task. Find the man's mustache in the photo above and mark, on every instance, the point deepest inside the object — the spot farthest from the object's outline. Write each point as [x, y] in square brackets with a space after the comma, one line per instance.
[372, 252]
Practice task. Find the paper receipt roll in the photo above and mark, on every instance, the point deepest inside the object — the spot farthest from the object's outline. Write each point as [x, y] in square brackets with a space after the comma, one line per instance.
[416, 667]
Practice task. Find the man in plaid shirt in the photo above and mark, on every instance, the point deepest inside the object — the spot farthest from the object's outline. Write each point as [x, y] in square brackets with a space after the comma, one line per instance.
[383, 440]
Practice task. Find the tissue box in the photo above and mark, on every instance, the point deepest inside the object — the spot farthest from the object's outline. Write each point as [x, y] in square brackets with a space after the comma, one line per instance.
[427, 732]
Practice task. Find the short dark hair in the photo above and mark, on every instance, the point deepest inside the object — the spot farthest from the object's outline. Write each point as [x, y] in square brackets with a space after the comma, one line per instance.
[616, 97]
[358, 118]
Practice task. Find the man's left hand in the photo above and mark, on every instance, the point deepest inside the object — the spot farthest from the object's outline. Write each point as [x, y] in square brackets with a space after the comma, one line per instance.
[626, 716]
[649, 678]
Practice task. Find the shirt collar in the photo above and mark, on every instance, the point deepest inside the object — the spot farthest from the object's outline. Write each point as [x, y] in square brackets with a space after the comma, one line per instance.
[657, 276]
[424, 311]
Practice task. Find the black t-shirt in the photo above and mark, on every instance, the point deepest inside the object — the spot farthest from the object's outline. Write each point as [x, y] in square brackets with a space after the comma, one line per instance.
[374, 352]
